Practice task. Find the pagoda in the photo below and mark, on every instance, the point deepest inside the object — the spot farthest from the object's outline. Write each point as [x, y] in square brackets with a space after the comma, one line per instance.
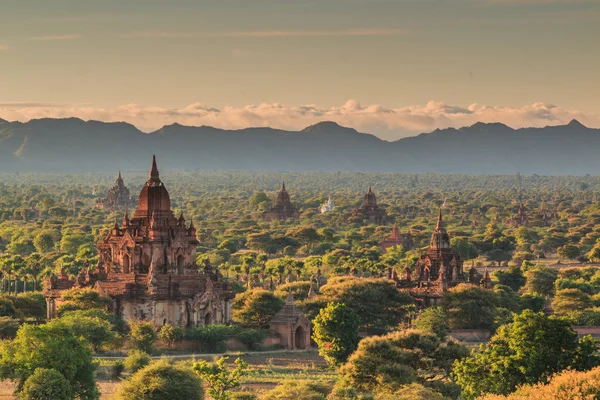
[369, 211]
[147, 265]
[397, 239]
[283, 208]
[117, 197]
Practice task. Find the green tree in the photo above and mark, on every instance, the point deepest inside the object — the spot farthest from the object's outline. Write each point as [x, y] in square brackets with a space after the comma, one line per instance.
[219, 379]
[136, 360]
[527, 351]
[162, 381]
[96, 331]
[83, 299]
[569, 300]
[433, 320]
[465, 248]
[46, 384]
[51, 347]
[256, 306]
[470, 307]
[295, 389]
[170, 334]
[142, 335]
[43, 242]
[540, 280]
[335, 330]
[569, 251]
[513, 277]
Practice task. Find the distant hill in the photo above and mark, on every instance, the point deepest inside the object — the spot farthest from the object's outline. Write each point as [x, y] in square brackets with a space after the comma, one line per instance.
[73, 145]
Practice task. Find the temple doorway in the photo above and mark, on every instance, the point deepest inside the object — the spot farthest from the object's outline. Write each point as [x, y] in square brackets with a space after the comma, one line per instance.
[126, 263]
[207, 319]
[299, 338]
[180, 265]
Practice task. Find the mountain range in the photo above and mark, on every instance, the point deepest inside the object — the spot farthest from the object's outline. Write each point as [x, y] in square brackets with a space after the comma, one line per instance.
[74, 145]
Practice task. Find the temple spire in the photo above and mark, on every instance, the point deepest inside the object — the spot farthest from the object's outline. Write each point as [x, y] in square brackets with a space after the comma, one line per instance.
[282, 185]
[440, 222]
[154, 171]
[369, 191]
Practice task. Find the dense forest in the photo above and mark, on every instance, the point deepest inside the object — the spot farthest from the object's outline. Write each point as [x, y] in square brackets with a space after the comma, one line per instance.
[544, 280]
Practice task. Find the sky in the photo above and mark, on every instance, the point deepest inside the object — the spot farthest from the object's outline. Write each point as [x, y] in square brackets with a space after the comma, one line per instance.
[389, 67]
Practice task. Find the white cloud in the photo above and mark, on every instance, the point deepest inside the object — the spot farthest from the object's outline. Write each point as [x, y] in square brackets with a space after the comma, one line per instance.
[387, 123]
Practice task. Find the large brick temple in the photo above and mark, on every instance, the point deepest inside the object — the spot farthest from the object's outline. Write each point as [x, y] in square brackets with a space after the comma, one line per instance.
[148, 267]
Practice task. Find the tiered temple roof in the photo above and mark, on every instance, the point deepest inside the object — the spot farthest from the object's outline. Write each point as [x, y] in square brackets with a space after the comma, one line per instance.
[369, 211]
[283, 207]
[117, 197]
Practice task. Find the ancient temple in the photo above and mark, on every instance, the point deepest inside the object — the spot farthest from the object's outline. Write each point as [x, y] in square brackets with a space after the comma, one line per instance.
[147, 265]
[292, 326]
[327, 206]
[117, 197]
[369, 211]
[520, 218]
[283, 208]
[439, 269]
[397, 239]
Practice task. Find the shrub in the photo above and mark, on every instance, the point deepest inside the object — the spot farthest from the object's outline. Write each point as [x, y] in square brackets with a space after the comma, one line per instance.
[143, 335]
[211, 337]
[296, 390]
[8, 327]
[31, 305]
[336, 333]
[46, 384]
[136, 360]
[256, 306]
[433, 320]
[162, 380]
[117, 369]
[411, 392]
[170, 334]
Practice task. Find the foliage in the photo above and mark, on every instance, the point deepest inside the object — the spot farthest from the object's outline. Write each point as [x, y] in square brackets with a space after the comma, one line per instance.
[569, 300]
[295, 390]
[31, 305]
[379, 304]
[433, 320]
[385, 363]
[8, 327]
[83, 299]
[413, 391]
[513, 278]
[142, 335]
[97, 332]
[136, 360]
[335, 330]
[46, 384]
[526, 351]
[564, 385]
[540, 280]
[162, 381]
[219, 379]
[256, 306]
[51, 347]
[470, 307]
[170, 334]
[533, 302]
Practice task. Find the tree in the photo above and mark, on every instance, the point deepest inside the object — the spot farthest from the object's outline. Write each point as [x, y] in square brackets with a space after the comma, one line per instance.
[256, 306]
[170, 334]
[513, 277]
[569, 300]
[143, 335]
[83, 299]
[380, 305]
[594, 254]
[470, 307]
[569, 251]
[46, 384]
[219, 379]
[94, 330]
[564, 385]
[51, 347]
[136, 360]
[386, 363]
[527, 351]
[162, 381]
[540, 280]
[433, 320]
[413, 391]
[44, 242]
[335, 330]
[465, 248]
[293, 389]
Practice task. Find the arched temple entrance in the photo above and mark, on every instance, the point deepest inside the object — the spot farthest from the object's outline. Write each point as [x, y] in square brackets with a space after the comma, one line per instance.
[207, 319]
[180, 262]
[126, 263]
[299, 338]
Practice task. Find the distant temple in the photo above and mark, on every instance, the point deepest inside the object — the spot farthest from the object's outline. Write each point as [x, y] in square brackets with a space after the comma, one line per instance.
[439, 269]
[327, 206]
[283, 208]
[397, 239]
[520, 218]
[148, 267]
[369, 211]
[292, 326]
[117, 197]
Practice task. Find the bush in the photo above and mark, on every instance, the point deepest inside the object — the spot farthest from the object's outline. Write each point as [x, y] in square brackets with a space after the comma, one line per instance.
[210, 337]
[31, 305]
[117, 369]
[252, 338]
[296, 390]
[433, 320]
[335, 330]
[46, 384]
[143, 336]
[162, 380]
[8, 327]
[170, 334]
[136, 360]
[256, 306]
[411, 392]
[565, 385]
[243, 396]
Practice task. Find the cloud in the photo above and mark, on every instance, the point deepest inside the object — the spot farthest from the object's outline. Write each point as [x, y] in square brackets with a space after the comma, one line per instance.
[266, 34]
[387, 123]
[45, 38]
